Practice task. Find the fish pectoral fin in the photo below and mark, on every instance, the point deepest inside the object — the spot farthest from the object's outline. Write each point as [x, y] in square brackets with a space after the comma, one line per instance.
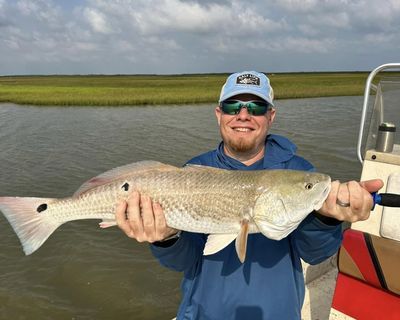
[241, 240]
[217, 242]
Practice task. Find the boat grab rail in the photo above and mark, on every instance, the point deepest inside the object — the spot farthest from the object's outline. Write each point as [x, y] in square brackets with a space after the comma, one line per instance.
[368, 87]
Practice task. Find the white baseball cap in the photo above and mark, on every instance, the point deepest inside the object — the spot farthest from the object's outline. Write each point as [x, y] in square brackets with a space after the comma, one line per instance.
[251, 82]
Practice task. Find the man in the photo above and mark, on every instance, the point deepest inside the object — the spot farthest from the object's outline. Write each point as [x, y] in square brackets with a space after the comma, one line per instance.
[269, 284]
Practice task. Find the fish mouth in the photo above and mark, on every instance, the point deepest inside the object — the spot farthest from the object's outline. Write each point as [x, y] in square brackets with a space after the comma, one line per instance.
[319, 202]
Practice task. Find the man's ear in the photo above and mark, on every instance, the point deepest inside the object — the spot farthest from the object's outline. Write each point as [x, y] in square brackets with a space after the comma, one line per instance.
[272, 114]
[218, 114]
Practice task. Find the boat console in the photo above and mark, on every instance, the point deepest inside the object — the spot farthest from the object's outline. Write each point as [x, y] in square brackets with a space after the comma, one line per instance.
[368, 281]
[363, 280]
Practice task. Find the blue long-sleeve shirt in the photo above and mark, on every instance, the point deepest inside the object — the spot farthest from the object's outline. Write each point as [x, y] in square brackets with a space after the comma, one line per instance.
[270, 283]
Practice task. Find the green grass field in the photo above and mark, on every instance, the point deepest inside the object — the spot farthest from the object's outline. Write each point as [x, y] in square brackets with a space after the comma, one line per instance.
[121, 90]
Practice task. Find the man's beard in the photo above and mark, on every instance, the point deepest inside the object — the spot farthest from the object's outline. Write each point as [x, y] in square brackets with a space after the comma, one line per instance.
[241, 145]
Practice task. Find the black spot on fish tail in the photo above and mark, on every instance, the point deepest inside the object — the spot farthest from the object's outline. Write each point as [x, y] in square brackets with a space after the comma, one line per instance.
[126, 186]
[42, 207]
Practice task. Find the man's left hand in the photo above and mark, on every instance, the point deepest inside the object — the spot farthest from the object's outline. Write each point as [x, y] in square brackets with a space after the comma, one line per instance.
[357, 195]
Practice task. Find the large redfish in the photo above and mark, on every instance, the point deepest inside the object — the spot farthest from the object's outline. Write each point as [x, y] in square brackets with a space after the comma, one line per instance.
[226, 204]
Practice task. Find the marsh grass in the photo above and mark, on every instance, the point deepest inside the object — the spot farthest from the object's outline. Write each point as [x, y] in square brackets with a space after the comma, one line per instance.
[121, 90]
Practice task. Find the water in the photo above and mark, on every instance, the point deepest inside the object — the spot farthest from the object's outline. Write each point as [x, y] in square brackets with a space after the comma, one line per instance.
[83, 272]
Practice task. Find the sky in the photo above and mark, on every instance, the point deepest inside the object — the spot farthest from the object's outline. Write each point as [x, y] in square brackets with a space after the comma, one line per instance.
[189, 36]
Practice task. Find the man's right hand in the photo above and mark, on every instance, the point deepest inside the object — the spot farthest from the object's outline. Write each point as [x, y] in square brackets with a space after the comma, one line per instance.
[141, 219]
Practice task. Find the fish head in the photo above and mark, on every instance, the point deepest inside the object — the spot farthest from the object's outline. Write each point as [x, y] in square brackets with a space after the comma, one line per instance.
[288, 198]
[305, 191]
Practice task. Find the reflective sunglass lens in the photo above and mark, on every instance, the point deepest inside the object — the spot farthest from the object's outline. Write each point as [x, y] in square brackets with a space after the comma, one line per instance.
[231, 107]
[255, 108]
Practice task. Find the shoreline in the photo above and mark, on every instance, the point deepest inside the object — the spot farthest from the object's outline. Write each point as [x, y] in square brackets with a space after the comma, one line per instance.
[131, 90]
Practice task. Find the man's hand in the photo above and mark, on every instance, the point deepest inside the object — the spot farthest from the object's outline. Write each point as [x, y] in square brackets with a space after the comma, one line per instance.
[141, 219]
[356, 194]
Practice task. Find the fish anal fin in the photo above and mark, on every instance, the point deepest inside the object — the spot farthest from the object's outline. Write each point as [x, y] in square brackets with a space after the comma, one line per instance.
[122, 172]
[241, 240]
[217, 242]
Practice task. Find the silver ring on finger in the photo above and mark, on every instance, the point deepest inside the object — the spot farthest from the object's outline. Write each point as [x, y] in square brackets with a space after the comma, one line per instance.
[342, 204]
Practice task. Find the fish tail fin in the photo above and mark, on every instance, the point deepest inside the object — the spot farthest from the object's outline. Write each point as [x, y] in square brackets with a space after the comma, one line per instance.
[31, 225]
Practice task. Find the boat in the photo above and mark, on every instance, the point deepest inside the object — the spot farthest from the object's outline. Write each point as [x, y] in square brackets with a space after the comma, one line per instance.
[363, 280]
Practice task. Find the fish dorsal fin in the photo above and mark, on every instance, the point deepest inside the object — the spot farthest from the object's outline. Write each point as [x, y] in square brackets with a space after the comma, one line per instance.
[217, 242]
[190, 166]
[122, 172]
[241, 240]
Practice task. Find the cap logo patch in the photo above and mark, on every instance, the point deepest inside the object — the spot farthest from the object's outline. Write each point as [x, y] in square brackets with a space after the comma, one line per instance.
[248, 79]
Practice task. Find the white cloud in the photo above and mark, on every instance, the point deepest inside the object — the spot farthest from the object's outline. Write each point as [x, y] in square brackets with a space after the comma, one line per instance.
[335, 20]
[175, 15]
[27, 7]
[11, 43]
[306, 45]
[97, 21]
[298, 5]
[43, 10]
[175, 36]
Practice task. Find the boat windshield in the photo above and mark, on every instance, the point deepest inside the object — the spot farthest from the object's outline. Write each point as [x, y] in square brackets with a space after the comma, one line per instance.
[386, 110]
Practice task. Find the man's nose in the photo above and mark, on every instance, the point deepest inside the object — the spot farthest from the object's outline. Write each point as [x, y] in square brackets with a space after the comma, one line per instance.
[243, 114]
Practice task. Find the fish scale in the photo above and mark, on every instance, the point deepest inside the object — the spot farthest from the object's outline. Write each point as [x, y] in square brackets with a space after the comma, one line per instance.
[205, 204]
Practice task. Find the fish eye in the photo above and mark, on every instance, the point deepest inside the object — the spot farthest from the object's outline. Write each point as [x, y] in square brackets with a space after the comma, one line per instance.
[309, 186]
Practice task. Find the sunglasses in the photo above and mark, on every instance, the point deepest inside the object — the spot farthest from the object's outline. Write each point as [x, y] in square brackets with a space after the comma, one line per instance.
[255, 108]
